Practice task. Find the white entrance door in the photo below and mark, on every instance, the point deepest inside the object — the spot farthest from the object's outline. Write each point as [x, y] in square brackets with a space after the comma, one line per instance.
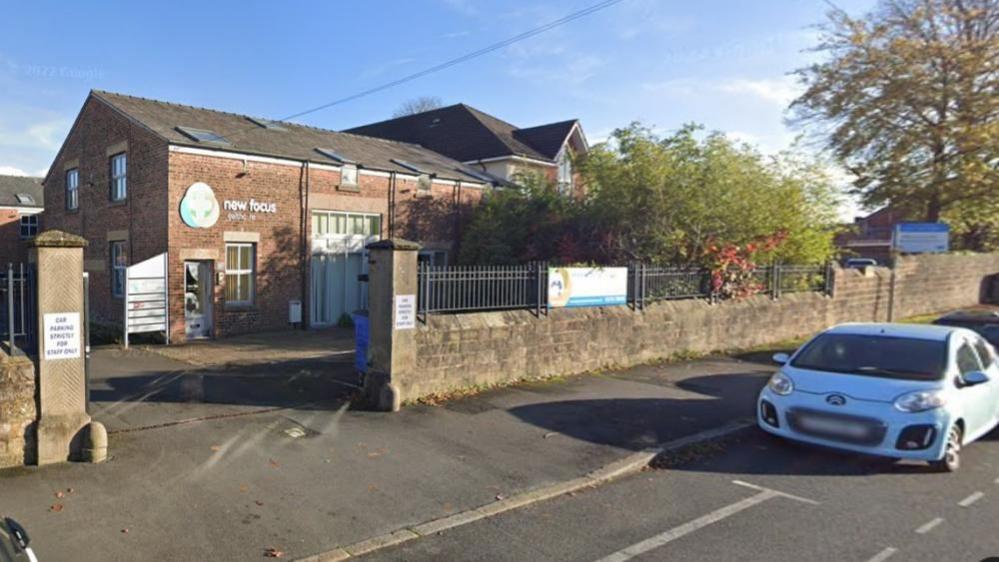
[197, 299]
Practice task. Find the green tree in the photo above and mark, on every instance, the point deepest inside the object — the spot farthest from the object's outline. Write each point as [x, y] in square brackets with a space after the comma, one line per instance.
[668, 199]
[906, 98]
[663, 200]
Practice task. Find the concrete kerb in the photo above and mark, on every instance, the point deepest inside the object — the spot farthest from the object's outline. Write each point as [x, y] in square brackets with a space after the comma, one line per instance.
[630, 464]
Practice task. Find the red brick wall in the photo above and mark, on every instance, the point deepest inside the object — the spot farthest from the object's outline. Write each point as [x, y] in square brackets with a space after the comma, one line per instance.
[142, 214]
[283, 253]
[278, 253]
[12, 248]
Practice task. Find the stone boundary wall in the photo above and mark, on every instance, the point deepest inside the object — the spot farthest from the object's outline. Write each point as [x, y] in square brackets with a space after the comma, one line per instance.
[466, 350]
[17, 411]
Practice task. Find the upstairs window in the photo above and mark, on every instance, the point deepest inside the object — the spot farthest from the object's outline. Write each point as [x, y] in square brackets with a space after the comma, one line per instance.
[29, 226]
[564, 173]
[119, 177]
[72, 189]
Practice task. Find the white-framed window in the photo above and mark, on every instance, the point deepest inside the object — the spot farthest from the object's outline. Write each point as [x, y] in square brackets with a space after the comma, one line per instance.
[72, 189]
[119, 263]
[240, 273]
[119, 176]
[348, 175]
[335, 223]
[564, 173]
[29, 226]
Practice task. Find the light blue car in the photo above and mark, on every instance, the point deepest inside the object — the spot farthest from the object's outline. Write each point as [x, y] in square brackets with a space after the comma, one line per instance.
[894, 390]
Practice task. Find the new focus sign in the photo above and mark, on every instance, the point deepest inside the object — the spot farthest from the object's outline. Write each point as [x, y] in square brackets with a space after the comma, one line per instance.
[921, 237]
[199, 208]
[587, 286]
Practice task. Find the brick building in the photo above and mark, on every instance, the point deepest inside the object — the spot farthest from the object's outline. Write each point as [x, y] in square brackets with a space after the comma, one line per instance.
[252, 213]
[21, 205]
[490, 144]
[871, 236]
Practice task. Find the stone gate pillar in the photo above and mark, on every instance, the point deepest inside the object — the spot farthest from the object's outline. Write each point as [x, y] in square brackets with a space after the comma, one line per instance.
[62, 416]
[391, 320]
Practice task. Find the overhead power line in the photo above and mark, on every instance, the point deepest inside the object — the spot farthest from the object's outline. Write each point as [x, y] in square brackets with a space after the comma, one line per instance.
[457, 60]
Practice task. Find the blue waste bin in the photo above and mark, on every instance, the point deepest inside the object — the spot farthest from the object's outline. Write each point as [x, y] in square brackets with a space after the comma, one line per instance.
[360, 318]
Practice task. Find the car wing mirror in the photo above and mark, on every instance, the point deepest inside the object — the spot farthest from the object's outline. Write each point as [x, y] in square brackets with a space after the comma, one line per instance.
[17, 532]
[780, 358]
[974, 378]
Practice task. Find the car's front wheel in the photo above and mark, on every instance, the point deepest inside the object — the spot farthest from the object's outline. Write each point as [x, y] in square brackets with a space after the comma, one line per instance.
[951, 460]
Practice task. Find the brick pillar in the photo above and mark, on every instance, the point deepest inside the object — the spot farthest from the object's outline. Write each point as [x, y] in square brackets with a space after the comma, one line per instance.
[58, 257]
[391, 317]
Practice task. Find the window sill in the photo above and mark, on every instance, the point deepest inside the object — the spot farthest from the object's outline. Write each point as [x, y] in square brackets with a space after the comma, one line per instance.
[349, 188]
[424, 194]
[118, 203]
[227, 307]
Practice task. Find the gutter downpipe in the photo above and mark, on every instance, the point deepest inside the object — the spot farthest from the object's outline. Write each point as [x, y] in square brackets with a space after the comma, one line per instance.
[305, 254]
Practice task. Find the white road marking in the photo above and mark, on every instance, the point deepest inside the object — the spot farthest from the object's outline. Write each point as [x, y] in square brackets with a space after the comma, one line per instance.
[884, 554]
[715, 516]
[971, 499]
[929, 526]
[779, 493]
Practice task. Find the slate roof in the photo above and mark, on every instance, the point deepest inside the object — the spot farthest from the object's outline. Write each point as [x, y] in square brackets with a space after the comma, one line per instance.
[466, 134]
[12, 186]
[546, 139]
[289, 140]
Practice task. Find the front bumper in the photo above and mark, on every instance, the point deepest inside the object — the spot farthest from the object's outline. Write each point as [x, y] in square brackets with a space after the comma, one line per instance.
[884, 443]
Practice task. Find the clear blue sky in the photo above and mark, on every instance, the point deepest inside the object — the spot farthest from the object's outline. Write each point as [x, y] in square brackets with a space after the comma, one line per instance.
[722, 63]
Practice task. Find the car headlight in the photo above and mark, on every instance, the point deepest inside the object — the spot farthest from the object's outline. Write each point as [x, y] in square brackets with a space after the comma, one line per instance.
[781, 384]
[920, 401]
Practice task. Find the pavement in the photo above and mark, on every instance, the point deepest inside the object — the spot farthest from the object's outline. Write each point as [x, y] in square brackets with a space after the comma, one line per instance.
[261, 347]
[752, 498]
[225, 460]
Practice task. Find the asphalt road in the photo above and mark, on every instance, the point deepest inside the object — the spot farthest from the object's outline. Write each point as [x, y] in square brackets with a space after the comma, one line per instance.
[754, 498]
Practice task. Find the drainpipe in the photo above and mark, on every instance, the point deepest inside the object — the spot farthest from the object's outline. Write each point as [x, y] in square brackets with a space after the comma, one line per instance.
[456, 246]
[305, 254]
[391, 205]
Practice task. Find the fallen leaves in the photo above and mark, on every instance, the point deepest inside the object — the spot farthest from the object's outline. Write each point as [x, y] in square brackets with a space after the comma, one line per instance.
[273, 553]
[56, 507]
[216, 448]
[125, 531]
[244, 488]
[60, 495]
[274, 463]
[258, 502]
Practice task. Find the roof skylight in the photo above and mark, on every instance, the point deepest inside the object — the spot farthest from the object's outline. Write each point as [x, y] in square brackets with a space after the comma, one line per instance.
[204, 135]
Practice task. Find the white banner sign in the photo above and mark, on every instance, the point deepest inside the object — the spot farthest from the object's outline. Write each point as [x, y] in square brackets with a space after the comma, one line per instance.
[146, 296]
[405, 312]
[587, 286]
[62, 335]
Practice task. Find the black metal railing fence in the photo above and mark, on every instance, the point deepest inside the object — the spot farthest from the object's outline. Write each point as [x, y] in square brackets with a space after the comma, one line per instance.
[18, 308]
[455, 289]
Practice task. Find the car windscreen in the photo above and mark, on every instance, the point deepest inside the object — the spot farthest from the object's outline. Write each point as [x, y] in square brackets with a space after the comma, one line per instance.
[877, 356]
